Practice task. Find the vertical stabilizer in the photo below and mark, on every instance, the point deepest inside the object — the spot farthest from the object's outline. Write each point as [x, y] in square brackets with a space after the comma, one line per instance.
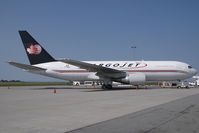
[35, 52]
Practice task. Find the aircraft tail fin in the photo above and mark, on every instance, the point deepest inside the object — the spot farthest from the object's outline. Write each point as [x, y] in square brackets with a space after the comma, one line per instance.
[35, 52]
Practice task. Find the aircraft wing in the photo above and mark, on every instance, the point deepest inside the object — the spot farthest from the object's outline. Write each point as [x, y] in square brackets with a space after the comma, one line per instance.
[101, 71]
[26, 67]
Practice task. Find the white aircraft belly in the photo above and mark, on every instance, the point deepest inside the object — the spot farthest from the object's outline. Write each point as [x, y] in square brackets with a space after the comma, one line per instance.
[68, 76]
[150, 76]
[162, 76]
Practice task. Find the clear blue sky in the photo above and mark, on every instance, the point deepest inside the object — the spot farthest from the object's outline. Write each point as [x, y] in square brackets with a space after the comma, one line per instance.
[99, 30]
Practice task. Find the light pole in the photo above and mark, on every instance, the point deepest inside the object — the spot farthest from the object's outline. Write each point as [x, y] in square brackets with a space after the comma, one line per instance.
[133, 47]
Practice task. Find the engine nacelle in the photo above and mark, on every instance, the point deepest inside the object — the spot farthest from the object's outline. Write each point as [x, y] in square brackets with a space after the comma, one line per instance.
[135, 79]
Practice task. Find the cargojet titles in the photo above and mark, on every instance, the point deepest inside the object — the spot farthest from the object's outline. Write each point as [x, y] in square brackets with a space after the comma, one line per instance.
[126, 64]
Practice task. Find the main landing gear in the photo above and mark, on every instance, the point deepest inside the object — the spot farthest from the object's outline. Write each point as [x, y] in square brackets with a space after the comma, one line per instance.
[109, 86]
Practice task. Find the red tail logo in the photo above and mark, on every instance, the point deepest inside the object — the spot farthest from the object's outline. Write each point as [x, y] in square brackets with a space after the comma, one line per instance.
[34, 49]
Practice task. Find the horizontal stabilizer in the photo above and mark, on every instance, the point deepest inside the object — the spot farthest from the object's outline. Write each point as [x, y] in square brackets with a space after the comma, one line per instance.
[25, 66]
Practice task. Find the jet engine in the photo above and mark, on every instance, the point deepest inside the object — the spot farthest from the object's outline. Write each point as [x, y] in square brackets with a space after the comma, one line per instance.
[134, 79]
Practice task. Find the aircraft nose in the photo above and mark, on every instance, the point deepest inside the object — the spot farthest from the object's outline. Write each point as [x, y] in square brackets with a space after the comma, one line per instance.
[194, 71]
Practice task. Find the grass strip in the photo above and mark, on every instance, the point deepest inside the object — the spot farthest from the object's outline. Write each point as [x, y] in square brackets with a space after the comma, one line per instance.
[34, 83]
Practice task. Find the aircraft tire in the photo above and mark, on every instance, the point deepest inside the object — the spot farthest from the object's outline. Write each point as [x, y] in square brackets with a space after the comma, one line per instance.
[106, 86]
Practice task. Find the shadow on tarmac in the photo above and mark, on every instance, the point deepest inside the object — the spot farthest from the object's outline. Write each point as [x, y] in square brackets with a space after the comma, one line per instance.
[88, 88]
[116, 89]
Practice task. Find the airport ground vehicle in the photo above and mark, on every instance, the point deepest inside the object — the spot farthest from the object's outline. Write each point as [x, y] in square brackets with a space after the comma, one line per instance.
[174, 84]
[183, 84]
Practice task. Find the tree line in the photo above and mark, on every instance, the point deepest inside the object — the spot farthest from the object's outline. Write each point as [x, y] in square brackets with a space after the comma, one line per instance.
[10, 80]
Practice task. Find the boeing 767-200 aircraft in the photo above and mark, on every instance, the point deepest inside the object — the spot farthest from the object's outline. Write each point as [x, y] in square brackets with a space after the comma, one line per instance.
[127, 72]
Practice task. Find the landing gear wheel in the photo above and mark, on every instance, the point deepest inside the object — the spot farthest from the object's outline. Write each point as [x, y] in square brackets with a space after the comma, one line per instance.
[106, 86]
[109, 87]
[103, 86]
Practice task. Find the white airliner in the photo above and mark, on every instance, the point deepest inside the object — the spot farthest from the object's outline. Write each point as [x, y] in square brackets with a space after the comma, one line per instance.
[127, 72]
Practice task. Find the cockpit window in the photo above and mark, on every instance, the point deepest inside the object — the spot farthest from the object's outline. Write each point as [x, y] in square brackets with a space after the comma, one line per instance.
[189, 67]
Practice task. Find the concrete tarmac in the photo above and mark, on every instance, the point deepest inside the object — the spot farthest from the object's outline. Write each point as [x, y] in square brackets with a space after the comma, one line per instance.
[38, 109]
[179, 116]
